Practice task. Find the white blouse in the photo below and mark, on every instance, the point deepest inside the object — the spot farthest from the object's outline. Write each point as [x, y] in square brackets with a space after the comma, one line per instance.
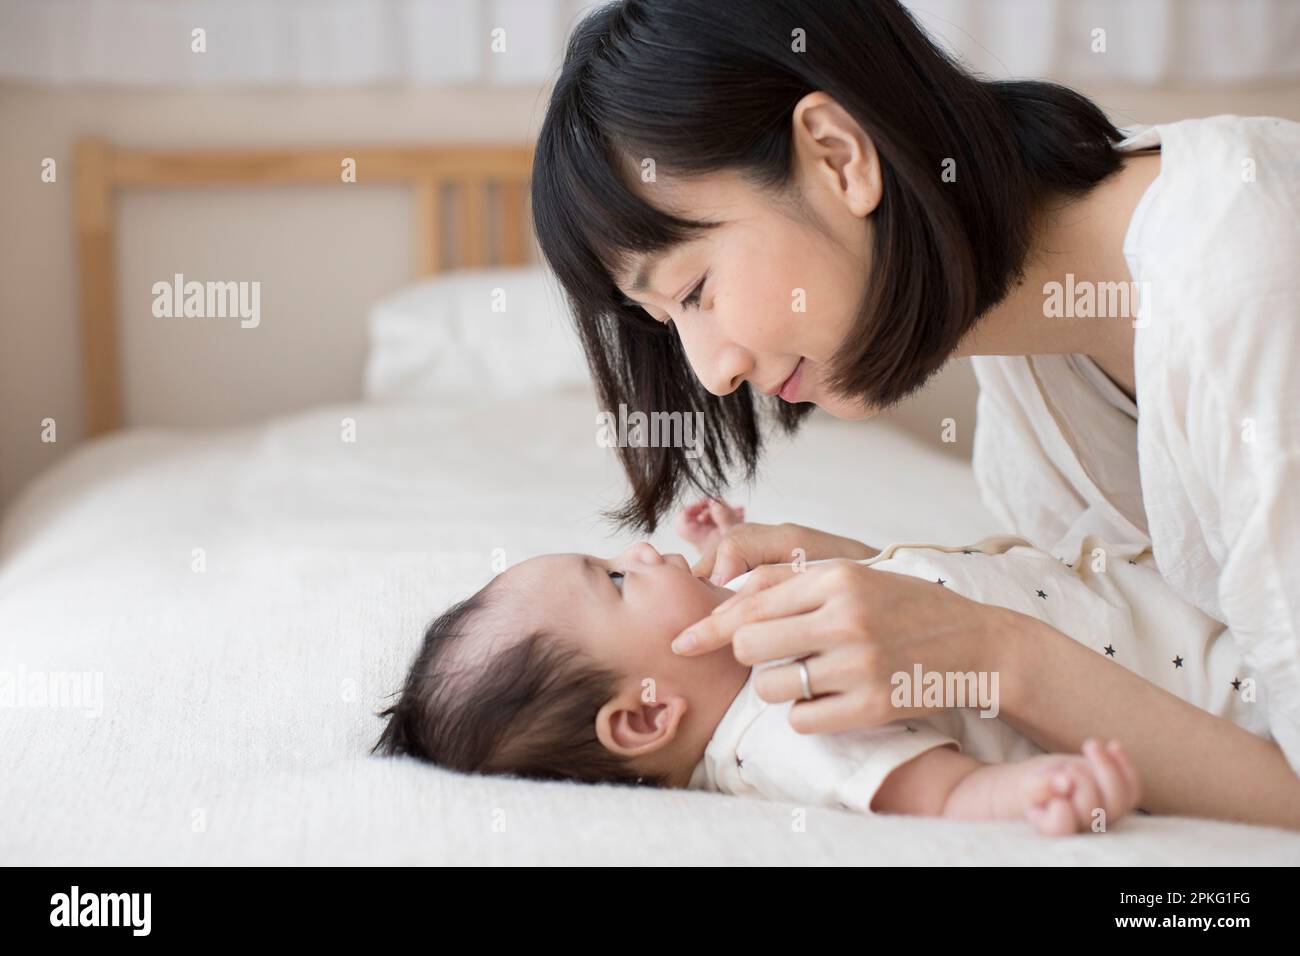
[1208, 475]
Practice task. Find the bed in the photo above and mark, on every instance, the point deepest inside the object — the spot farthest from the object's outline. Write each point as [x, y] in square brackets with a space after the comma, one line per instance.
[233, 605]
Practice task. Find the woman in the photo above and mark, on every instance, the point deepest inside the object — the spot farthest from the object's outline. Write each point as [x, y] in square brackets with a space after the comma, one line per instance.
[766, 206]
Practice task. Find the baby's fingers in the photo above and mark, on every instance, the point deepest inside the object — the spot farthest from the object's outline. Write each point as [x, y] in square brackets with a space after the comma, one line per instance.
[723, 515]
[1038, 789]
[1125, 763]
[1086, 797]
[1072, 785]
[688, 519]
[1054, 818]
[694, 508]
[1046, 795]
[1116, 792]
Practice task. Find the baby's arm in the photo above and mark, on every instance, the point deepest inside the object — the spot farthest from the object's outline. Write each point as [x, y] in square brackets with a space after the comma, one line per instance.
[1059, 794]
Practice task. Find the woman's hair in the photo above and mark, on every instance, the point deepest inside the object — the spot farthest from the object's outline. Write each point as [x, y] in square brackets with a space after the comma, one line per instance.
[706, 87]
[528, 710]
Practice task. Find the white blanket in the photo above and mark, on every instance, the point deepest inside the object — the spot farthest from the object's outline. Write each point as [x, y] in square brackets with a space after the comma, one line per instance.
[238, 700]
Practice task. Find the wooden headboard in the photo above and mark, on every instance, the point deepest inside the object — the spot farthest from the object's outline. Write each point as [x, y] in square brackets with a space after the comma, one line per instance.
[473, 171]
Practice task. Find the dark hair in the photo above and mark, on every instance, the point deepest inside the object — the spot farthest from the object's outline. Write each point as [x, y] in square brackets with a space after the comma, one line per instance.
[705, 87]
[529, 711]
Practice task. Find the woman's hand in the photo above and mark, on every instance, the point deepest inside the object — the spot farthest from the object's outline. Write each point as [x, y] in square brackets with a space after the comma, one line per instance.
[704, 522]
[855, 627]
[744, 547]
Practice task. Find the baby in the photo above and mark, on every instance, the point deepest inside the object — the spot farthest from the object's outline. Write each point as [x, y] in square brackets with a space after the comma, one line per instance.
[560, 668]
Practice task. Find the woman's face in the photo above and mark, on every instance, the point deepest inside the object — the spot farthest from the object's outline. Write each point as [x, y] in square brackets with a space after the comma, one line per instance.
[779, 295]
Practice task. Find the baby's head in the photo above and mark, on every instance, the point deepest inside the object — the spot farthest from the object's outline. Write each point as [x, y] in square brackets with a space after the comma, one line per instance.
[560, 668]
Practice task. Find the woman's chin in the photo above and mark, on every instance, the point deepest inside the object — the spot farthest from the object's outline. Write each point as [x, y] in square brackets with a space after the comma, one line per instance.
[847, 410]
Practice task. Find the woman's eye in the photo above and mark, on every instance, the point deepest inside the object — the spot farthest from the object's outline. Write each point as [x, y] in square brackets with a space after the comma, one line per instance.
[646, 313]
[693, 300]
[617, 578]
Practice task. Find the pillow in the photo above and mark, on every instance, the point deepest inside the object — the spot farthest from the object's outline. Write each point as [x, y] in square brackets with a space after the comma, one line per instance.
[440, 339]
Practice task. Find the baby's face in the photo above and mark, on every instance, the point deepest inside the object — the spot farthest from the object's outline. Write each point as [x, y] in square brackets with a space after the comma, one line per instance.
[624, 612]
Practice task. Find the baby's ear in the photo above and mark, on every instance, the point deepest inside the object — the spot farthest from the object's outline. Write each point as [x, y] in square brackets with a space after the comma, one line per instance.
[639, 724]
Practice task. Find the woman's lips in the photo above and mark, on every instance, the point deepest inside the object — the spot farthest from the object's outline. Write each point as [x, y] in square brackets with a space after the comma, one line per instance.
[790, 389]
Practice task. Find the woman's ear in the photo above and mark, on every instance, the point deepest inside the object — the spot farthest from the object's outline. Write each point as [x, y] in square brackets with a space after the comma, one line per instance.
[631, 726]
[834, 151]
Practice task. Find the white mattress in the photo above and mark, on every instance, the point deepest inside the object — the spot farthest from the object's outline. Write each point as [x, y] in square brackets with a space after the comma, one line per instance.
[239, 702]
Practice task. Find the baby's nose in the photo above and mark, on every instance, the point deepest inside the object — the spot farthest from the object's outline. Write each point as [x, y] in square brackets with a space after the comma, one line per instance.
[678, 561]
[644, 552]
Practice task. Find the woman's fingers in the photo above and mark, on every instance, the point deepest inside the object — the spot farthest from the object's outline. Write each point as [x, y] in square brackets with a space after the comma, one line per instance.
[704, 566]
[742, 547]
[733, 558]
[759, 579]
[794, 636]
[749, 546]
[828, 673]
[798, 594]
[831, 714]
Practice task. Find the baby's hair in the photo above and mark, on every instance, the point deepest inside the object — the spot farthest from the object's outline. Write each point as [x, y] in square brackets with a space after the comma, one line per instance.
[528, 710]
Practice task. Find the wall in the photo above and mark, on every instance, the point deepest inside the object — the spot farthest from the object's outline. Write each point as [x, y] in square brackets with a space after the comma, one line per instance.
[317, 277]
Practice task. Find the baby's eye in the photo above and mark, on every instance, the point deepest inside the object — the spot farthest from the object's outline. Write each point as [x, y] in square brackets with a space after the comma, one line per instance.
[617, 578]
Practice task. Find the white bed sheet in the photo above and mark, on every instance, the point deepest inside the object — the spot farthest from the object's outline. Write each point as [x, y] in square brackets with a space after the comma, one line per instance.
[239, 702]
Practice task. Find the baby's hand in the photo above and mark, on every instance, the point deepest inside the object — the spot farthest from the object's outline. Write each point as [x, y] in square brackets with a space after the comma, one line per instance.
[704, 522]
[1061, 794]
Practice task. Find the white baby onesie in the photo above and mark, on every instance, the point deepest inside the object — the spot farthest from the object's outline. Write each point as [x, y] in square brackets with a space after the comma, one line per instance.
[1109, 598]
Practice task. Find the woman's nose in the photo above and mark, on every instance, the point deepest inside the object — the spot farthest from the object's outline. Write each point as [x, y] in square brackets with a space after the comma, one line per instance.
[728, 370]
[720, 365]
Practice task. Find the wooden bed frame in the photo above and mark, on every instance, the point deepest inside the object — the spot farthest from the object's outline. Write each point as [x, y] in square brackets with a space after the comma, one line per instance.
[101, 169]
